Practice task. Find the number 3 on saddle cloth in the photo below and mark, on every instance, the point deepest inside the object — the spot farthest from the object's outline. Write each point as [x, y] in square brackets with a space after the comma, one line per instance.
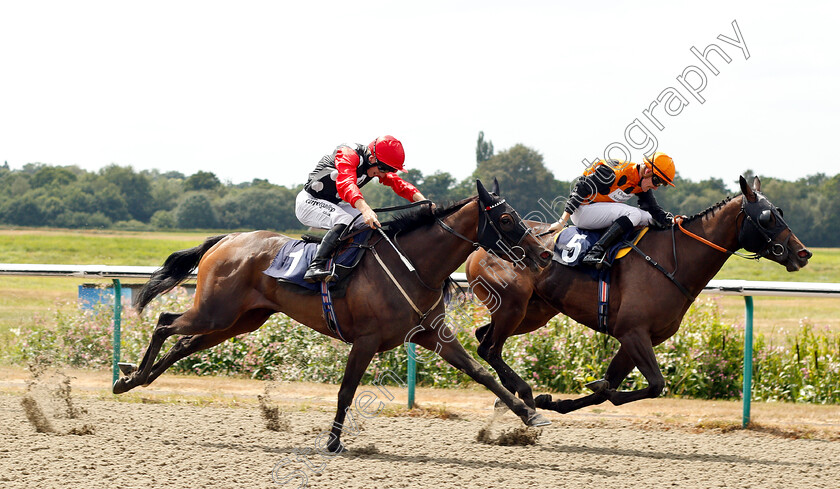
[572, 243]
[294, 258]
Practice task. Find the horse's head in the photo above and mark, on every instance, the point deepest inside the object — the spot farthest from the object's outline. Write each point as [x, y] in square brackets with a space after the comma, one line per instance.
[765, 232]
[501, 230]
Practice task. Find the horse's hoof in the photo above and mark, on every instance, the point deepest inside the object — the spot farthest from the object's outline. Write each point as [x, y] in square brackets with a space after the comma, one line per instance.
[538, 420]
[120, 386]
[499, 406]
[336, 447]
[127, 368]
[597, 386]
[543, 401]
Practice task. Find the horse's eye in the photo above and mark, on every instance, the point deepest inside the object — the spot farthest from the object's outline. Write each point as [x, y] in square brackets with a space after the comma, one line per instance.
[506, 222]
[765, 218]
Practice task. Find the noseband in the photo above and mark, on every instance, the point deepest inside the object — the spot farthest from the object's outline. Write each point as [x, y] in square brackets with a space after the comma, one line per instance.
[498, 241]
[766, 246]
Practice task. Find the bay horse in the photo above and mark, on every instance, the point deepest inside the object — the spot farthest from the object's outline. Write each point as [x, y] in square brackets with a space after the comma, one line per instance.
[645, 305]
[233, 296]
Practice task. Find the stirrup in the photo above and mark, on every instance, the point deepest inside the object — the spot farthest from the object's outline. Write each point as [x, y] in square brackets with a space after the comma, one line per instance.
[315, 275]
[596, 261]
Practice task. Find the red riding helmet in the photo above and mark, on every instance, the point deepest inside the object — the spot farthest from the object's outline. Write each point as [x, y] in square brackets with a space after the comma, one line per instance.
[388, 150]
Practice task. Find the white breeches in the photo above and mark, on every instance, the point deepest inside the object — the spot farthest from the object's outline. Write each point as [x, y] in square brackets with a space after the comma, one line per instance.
[599, 215]
[319, 213]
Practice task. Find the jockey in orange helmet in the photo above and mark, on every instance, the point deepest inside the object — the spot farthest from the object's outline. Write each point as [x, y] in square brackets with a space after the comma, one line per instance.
[331, 198]
[598, 200]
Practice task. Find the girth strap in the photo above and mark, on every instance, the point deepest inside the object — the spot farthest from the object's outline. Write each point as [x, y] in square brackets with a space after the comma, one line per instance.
[604, 300]
[327, 306]
[657, 266]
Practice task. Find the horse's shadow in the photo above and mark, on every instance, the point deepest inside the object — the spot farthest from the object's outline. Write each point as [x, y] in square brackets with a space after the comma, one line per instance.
[690, 457]
[423, 459]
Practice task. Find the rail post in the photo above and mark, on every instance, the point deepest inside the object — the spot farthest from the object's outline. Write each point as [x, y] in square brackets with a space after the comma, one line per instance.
[117, 320]
[748, 359]
[412, 373]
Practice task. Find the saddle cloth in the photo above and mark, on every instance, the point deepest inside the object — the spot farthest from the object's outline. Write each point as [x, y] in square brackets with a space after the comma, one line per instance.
[573, 242]
[291, 262]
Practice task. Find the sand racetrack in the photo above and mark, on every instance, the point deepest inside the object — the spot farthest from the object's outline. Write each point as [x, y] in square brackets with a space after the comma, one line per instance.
[158, 443]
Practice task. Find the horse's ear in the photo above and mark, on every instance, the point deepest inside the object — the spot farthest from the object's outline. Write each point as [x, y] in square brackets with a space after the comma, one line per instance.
[495, 186]
[746, 190]
[483, 195]
[757, 184]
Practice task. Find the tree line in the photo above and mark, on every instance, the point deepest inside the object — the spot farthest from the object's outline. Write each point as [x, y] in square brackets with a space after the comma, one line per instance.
[118, 197]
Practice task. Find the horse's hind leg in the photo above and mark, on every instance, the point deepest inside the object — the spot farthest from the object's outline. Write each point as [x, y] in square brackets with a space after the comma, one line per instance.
[131, 381]
[191, 322]
[619, 368]
[187, 345]
[165, 319]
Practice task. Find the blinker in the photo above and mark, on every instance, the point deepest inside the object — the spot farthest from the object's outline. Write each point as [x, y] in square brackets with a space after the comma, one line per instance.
[765, 218]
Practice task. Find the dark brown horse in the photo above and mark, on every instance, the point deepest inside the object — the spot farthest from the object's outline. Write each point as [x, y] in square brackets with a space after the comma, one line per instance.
[233, 296]
[645, 306]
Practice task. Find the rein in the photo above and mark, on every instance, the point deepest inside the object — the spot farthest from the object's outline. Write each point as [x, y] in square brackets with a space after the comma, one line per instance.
[679, 220]
[406, 261]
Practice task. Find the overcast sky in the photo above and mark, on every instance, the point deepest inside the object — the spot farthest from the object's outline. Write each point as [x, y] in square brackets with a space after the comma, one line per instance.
[264, 89]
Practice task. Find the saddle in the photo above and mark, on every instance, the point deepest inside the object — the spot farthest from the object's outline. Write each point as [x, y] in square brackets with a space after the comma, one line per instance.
[572, 243]
[290, 263]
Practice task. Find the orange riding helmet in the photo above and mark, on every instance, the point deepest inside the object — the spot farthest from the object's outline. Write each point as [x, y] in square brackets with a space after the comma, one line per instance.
[388, 150]
[662, 166]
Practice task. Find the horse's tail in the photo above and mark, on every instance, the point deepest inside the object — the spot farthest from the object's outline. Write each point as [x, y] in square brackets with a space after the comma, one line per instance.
[175, 270]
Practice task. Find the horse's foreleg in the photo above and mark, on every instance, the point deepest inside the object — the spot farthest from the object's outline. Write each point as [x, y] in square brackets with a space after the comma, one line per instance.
[508, 377]
[640, 351]
[361, 354]
[454, 353]
[493, 336]
[187, 345]
[619, 368]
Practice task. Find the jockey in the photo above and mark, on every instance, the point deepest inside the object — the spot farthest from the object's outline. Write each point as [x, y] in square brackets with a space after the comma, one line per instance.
[598, 200]
[331, 198]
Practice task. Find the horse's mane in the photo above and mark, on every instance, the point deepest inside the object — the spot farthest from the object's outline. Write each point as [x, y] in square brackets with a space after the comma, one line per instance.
[711, 208]
[421, 216]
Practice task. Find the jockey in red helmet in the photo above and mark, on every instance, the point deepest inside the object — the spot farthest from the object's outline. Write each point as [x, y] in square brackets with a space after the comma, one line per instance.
[598, 200]
[331, 198]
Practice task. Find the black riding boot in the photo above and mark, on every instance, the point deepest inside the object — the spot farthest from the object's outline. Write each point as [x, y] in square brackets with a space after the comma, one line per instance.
[595, 255]
[317, 271]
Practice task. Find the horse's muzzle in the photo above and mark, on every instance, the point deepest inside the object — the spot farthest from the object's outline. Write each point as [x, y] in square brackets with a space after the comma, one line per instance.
[797, 260]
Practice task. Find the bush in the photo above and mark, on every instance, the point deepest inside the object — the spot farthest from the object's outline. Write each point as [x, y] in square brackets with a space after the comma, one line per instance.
[703, 360]
[131, 225]
[163, 220]
[82, 220]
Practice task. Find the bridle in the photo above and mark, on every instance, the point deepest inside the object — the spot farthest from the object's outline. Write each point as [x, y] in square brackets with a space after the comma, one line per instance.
[485, 209]
[499, 241]
[758, 248]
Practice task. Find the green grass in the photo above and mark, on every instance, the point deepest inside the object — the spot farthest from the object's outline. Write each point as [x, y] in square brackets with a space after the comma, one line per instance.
[823, 267]
[84, 248]
[773, 316]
